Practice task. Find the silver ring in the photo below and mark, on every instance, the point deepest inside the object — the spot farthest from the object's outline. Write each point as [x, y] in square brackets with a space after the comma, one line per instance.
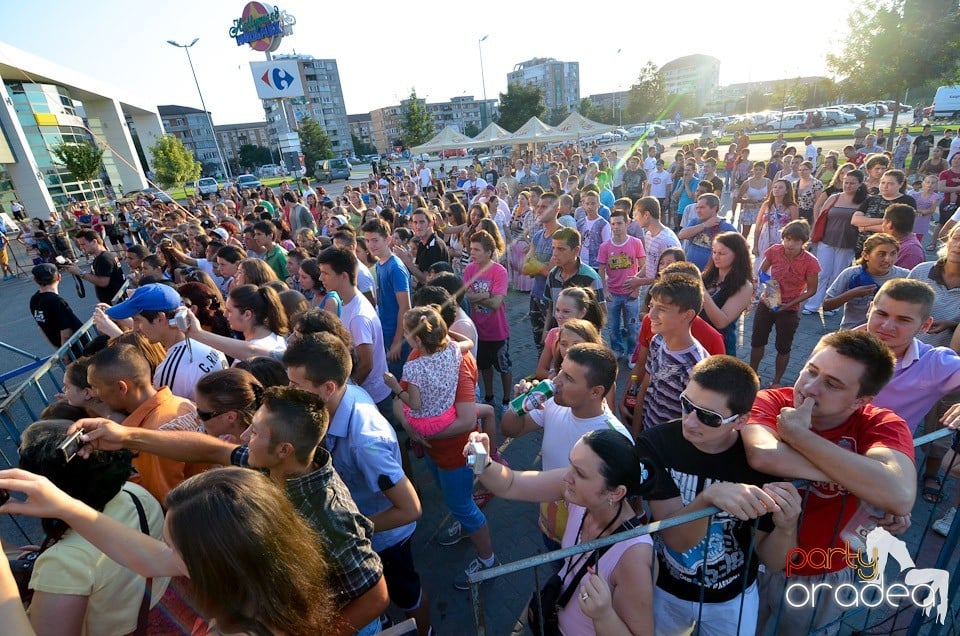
[584, 596]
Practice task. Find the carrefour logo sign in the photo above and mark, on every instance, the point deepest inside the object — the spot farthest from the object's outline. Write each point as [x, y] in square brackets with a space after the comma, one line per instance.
[277, 79]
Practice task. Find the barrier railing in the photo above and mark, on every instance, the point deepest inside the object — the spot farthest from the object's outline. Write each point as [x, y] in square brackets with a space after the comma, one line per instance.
[856, 620]
[23, 400]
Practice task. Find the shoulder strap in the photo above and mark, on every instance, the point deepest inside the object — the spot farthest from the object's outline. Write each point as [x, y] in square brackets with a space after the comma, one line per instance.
[145, 603]
[594, 558]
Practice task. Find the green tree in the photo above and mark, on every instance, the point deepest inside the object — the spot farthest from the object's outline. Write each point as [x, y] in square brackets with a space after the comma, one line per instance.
[362, 147]
[416, 123]
[83, 160]
[314, 142]
[647, 97]
[173, 164]
[557, 115]
[471, 130]
[253, 156]
[896, 44]
[588, 109]
[520, 103]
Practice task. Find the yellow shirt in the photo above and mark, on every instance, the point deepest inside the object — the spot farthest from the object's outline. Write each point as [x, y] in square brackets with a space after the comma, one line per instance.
[74, 566]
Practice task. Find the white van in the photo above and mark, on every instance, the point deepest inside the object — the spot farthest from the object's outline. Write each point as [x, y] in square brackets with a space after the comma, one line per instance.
[946, 103]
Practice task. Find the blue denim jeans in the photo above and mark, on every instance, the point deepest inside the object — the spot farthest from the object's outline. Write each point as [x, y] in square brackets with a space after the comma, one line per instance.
[624, 313]
[457, 488]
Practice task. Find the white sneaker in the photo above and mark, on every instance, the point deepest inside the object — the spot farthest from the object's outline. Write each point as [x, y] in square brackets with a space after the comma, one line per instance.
[451, 535]
[461, 583]
[942, 525]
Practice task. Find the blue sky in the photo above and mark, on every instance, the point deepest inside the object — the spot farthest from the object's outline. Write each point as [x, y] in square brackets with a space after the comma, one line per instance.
[385, 48]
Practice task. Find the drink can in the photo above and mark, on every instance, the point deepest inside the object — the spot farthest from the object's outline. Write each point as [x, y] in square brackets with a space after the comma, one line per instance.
[533, 398]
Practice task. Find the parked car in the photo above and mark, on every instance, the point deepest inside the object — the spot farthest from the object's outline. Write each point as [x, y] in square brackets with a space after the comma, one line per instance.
[742, 124]
[269, 170]
[207, 185]
[248, 181]
[789, 121]
[859, 112]
[159, 195]
[635, 132]
[330, 169]
[836, 116]
[453, 152]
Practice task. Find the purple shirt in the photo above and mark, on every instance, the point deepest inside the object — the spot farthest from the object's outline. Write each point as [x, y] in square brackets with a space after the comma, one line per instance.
[920, 379]
[911, 252]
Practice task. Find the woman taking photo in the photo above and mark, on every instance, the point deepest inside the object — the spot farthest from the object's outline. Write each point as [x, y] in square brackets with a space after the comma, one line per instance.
[835, 250]
[778, 210]
[266, 576]
[77, 590]
[615, 595]
[728, 287]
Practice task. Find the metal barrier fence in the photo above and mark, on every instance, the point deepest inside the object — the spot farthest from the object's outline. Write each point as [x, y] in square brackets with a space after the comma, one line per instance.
[20, 405]
[875, 619]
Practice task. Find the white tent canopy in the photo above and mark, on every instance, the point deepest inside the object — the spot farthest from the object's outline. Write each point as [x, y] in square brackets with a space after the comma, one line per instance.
[446, 139]
[491, 135]
[534, 131]
[576, 126]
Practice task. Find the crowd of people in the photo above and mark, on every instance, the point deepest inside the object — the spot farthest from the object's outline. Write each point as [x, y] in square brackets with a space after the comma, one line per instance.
[314, 340]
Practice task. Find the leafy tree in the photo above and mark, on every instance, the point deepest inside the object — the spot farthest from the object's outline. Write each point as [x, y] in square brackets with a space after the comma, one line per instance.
[520, 103]
[254, 156]
[647, 96]
[82, 160]
[173, 164]
[314, 142]
[557, 115]
[471, 130]
[896, 44]
[588, 109]
[362, 147]
[416, 123]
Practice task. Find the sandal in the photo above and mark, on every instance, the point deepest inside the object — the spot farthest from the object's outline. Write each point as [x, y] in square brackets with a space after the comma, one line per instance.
[932, 493]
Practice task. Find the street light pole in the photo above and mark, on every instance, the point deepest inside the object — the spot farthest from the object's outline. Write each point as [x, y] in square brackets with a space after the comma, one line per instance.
[483, 108]
[216, 142]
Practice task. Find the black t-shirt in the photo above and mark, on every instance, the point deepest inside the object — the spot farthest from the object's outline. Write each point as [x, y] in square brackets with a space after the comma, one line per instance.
[874, 206]
[922, 145]
[686, 471]
[105, 264]
[53, 315]
[944, 144]
[434, 251]
[491, 176]
[633, 181]
[717, 185]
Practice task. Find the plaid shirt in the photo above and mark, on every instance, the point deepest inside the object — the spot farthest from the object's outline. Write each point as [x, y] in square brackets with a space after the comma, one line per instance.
[324, 501]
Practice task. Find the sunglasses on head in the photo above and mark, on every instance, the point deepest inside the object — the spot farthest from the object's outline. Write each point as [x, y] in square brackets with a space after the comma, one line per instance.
[706, 416]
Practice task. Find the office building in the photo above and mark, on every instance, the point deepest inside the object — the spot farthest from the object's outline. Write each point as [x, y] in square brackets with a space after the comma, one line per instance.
[322, 101]
[559, 81]
[43, 104]
[192, 127]
[697, 75]
[385, 123]
[361, 127]
[232, 136]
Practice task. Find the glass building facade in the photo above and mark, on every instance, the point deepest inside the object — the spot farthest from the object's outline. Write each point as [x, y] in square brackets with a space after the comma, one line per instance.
[49, 116]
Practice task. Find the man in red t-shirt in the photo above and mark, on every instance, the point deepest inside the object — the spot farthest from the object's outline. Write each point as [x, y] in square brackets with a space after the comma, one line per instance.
[858, 457]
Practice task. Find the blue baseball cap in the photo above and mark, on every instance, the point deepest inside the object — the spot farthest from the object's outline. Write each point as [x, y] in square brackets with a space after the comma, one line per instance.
[153, 297]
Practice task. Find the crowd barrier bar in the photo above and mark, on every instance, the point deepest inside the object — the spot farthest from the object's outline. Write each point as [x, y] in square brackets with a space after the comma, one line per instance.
[536, 561]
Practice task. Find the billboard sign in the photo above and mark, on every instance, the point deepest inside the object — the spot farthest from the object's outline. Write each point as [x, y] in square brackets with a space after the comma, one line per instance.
[262, 26]
[277, 79]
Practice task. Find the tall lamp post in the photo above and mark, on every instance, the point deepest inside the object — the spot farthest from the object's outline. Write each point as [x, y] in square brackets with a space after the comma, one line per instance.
[484, 107]
[186, 47]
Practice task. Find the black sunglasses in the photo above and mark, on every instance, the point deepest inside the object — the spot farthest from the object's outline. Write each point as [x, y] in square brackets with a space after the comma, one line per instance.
[205, 416]
[706, 416]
